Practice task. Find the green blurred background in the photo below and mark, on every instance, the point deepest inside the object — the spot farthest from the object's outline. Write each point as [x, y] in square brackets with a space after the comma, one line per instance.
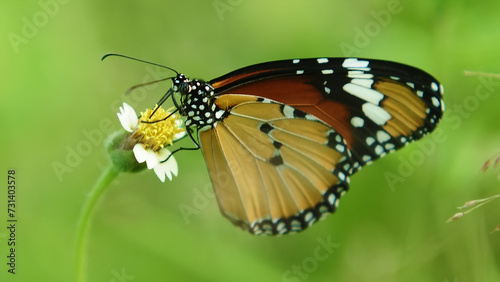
[60, 101]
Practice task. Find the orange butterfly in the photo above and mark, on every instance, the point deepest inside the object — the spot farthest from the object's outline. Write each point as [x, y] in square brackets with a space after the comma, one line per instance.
[282, 138]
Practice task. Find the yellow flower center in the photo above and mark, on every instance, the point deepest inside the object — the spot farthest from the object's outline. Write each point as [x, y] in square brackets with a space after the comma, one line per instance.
[158, 131]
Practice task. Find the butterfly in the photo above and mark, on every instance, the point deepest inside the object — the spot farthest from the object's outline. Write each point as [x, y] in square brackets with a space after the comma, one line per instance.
[281, 139]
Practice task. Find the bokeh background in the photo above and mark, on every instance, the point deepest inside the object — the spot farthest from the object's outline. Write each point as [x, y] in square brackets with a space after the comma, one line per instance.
[59, 102]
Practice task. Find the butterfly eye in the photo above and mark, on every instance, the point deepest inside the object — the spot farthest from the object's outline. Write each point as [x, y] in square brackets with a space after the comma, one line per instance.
[183, 87]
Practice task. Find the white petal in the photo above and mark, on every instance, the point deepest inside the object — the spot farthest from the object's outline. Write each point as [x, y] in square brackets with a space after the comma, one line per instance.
[179, 135]
[172, 164]
[160, 173]
[146, 155]
[139, 153]
[163, 153]
[178, 124]
[152, 159]
[167, 168]
[127, 117]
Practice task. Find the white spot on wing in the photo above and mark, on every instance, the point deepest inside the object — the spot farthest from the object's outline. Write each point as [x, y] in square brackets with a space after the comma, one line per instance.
[310, 117]
[364, 93]
[363, 82]
[370, 140]
[340, 148]
[377, 114]
[288, 111]
[219, 114]
[338, 138]
[389, 146]
[331, 199]
[359, 74]
[296, 61]
[435, 102]
[281, 227]
[308, 216]
[347, 166]
[337, 202]
[382, 136]
[357, 122]
[354, 63]
[434, 87]
[327, 71]
[300, 71]
[341, 176]
[322, 60]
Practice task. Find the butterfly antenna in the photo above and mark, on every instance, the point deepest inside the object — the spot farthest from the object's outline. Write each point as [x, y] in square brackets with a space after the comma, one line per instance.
[162, 100]
[165, 118]
[147, 83]
[139, 60]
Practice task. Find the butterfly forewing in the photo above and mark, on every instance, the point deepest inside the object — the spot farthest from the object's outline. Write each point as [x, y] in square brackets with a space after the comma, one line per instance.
[376, 106]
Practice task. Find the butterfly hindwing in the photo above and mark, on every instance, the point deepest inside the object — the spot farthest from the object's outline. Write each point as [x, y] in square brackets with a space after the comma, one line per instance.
[275, 169]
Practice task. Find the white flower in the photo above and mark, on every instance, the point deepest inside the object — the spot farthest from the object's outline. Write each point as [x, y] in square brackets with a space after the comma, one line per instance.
[153, 161]
[128, 118]
[152, 138]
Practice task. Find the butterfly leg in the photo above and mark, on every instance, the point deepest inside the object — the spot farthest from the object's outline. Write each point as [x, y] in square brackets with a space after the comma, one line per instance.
[190, 134]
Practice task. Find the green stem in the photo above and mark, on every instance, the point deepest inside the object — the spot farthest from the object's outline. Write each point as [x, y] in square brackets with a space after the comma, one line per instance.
[481, 203]
[83, 222]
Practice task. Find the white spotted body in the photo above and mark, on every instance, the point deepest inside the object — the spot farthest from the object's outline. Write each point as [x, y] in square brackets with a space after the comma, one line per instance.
[197, 102]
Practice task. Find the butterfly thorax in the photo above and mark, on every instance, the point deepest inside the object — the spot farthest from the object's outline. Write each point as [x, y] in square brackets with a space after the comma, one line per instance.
[197, 102]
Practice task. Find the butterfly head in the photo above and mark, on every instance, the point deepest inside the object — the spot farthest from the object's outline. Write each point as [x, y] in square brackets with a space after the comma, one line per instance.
[197, 101]
[182, 84]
